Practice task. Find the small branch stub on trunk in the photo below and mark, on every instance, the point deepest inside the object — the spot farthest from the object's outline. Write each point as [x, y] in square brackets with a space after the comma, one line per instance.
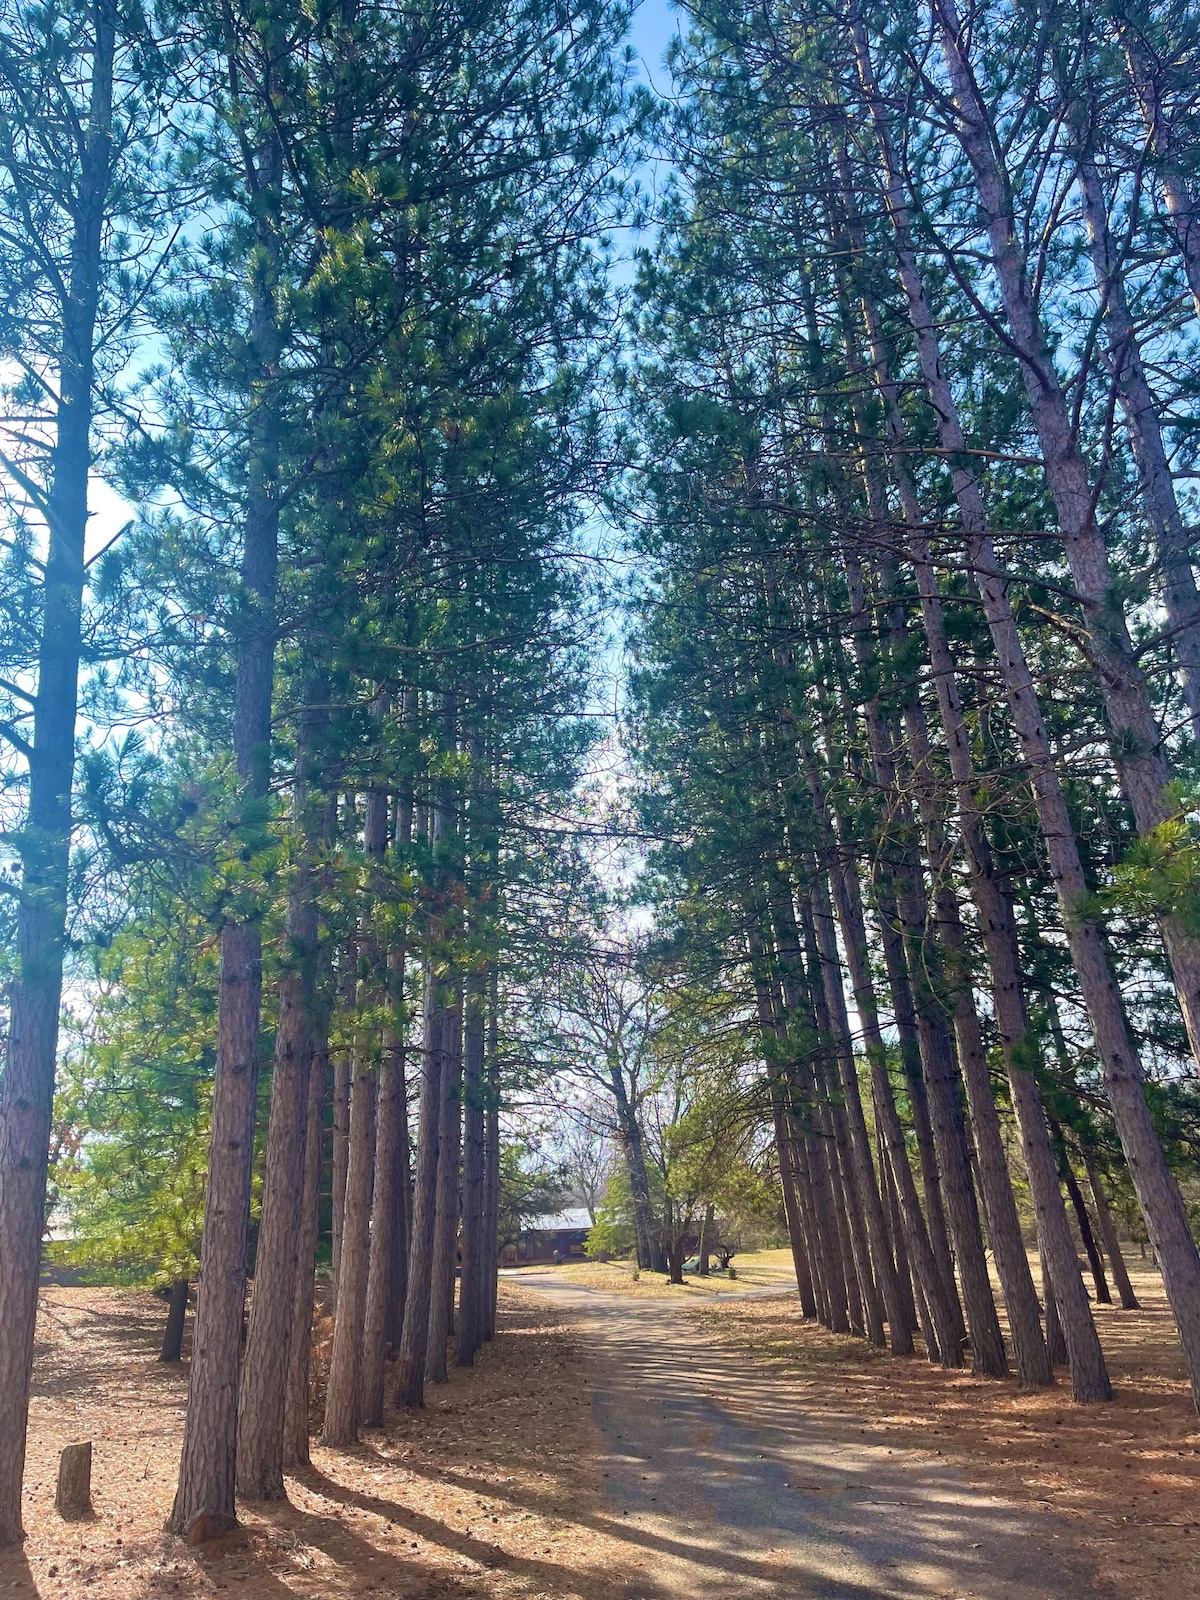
[74, 1496]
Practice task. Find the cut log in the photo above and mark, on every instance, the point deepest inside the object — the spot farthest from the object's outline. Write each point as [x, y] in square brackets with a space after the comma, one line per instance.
[74, 1497]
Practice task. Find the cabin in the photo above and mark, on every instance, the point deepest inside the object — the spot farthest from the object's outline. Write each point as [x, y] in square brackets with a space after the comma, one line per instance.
[555, 1238]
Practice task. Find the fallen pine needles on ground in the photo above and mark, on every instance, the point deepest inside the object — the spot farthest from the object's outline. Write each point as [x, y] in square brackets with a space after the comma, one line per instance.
[1126, 1474]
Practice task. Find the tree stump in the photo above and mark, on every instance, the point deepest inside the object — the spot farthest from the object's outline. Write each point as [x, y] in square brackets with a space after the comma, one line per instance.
[74, 1497]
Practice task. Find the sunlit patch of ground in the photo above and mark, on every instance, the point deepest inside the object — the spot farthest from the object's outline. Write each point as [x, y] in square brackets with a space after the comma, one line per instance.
[763, 1269]
[487, 1492]
[1126, 1474]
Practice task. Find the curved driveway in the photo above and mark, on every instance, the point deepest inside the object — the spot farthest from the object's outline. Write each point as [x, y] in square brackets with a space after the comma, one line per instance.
[729, 1493]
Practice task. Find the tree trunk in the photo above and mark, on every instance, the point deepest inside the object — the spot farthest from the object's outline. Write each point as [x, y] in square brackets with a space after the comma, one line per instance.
[650, 1251]
[703, 1247]
[342, 1072]
[295, 1416]
[1181, 206]
[342, 1393]
[376, 1291]
[381, 1251]
[208, 1464]
[27, 1085]
[864, 1188]
[1108, 1233]
[941, 1332]
[474, 1220]
[172, 1344]
[445, 1234]
[414, 1337]
[1075, 1194]
[1056, 1342]
[1134, 736]
[491, 1150]
[395, 1051]
[792, 1215]
[904, 1274]
[1004, 1228]
[272, 1308]
[1088, 1374]
[1181, 601]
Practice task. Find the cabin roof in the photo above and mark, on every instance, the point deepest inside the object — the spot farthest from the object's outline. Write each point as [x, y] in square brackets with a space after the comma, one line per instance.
[568, 1221]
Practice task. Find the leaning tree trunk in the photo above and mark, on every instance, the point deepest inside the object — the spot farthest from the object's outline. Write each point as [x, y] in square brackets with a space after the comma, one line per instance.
[1088, 1374]
[1146, 440]
[1108, 1232]
[1135, 739]
[204, 1500]
[27, 1086]
[1182, 208]
[941, 1330]
[796, 1020]
[1004, 1229]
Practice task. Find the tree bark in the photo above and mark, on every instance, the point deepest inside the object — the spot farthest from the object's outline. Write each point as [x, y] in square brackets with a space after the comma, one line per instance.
[342, 1396]
[342, 1073]
[1056, 1342]
[73, 1497]
[296, 1404]
[381, 1252]
[473, 1289]
[863, 1187]
[172, 1344]
[1181, 205]
[491, 1152]
[208, 1463]
[941, 1331]
[395, 1048]
[272, 1309]
[445, 1233]
[27, 1086]
[1088, 1238]
[1135, 739]
[414, 1337]
[1180, 598]
[390, 1125]
[1089, 1377]
[1108, 1232]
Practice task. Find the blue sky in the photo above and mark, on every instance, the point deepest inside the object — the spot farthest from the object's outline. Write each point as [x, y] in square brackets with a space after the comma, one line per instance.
[654, 24]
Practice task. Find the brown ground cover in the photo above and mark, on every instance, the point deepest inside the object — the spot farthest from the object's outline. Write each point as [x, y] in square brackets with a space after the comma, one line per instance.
[488, 1492]
[1126, 1474]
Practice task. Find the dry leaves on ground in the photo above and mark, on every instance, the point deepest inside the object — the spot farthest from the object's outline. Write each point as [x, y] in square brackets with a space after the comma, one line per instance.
[488, 1492]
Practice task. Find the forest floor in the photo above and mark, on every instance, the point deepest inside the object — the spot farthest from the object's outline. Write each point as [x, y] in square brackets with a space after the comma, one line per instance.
[492, 1491]
[641, 1444]
[1125, 1476]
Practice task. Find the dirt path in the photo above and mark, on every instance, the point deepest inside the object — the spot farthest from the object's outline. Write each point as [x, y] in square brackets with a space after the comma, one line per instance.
[729, 1493]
